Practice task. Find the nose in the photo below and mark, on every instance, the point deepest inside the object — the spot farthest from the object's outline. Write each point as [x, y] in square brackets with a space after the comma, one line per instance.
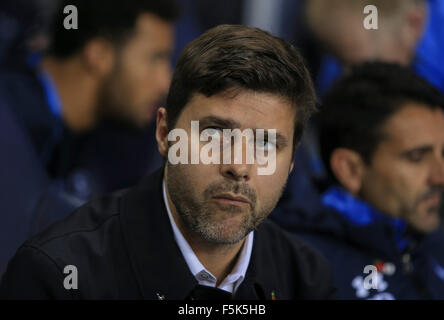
[237, 172]
[237, 169]
[437, 172]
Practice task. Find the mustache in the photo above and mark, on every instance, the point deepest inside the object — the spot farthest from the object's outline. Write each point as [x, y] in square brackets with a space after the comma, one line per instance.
[231, 187]
[438, 190]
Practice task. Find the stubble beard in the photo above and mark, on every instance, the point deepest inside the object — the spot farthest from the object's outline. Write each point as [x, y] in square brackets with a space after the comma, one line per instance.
[215, 223]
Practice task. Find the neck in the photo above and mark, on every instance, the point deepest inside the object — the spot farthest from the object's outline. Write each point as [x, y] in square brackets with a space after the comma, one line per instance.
[217, 258]
[78, 91]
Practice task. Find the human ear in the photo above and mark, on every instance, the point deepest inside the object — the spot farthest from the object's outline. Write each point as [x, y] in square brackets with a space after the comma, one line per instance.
[291, 167]
[99, 57]
[162, 132]
[348, 167]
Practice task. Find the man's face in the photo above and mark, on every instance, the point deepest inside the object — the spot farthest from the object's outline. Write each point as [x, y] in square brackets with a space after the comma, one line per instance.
[406, 175]
[142, 73]
[200, 192]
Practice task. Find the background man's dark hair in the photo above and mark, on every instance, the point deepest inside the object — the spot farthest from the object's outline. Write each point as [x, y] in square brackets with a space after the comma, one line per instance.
[239, 57]
[113, 20]
[357, 106]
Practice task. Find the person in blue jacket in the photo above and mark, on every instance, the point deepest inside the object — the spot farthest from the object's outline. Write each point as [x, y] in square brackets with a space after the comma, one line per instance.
[382, 140]
[408, 32]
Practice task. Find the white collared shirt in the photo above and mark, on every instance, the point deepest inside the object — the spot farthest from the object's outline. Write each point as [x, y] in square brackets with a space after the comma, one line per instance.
[202, 275]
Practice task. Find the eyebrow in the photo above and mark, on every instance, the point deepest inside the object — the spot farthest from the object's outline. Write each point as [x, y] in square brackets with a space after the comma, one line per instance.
[233, 124]
[225, 123]
[421, 149]
[161, 54]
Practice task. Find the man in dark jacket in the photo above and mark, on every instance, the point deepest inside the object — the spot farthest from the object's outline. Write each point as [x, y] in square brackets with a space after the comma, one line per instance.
[382, 138]
[194, 230]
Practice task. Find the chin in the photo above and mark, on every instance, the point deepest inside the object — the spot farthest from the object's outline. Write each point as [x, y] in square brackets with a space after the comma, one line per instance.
[229, 238]
[229, 231]
[427, 227]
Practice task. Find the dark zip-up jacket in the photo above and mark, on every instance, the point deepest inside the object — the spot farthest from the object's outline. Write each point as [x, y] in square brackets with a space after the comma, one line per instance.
[353, 235]
[123, 247]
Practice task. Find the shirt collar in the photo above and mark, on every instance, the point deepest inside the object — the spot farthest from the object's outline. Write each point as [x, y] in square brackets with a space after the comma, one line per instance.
[202, 275]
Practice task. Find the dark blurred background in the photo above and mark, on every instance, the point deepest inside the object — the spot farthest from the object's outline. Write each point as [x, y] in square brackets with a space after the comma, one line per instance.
[47, 169]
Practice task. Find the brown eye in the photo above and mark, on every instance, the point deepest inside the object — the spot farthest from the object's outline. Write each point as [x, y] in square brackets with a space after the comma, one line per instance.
[415, 156]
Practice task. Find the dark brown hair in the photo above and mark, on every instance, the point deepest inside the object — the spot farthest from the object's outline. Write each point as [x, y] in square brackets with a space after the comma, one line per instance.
[356, 108]
[113, 20]
[239, 57]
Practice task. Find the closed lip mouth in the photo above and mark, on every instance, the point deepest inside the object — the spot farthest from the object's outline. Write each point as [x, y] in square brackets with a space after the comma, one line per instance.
[231, 197]
[435, 198]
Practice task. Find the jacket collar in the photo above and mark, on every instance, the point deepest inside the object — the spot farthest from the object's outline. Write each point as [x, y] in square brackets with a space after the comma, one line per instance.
[256, 284]
[157, 261]
[365, 219]
[158, 264]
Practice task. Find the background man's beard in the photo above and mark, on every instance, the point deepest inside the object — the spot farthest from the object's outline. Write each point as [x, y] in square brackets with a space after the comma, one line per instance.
[110, 110]
[434, 191]
[198, 216]
[410, 213]
[111, 105]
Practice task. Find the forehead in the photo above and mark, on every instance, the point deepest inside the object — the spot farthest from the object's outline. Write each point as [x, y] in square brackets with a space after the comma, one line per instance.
[415, 125]
[250, 109]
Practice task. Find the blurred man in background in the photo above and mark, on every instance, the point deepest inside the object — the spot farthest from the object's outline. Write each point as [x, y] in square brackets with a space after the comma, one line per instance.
[382, 139]
[115, 66]
[338, 25]
[408, 32]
